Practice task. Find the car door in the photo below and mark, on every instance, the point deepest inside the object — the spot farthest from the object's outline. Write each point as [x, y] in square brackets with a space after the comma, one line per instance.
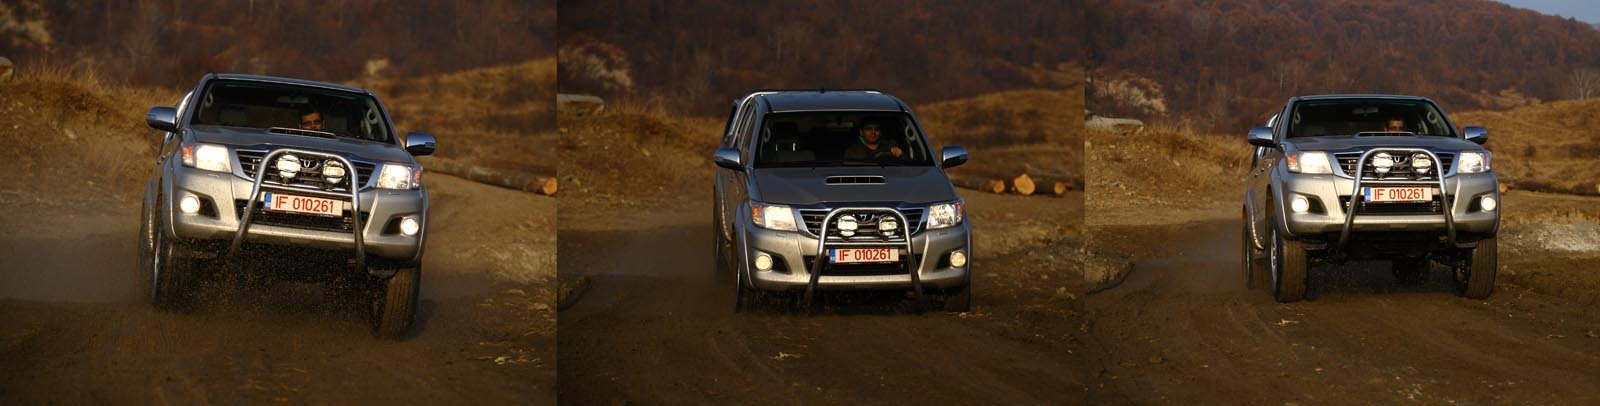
[732, 182]
[1262, 163]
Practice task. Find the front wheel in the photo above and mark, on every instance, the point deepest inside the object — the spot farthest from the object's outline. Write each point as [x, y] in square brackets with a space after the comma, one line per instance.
[171, 271]
[1289, 265]
[1475, 277]
[394, 303]
[1254, 276]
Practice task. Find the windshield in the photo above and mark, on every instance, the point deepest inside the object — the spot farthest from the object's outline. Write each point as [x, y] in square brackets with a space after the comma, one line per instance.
[236, 103]
[815, 139]
[1315, 118]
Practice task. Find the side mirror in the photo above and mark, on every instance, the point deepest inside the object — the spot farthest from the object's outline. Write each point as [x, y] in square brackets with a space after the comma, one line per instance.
[729, 158]
[952, 156]
[1479, 135]
[162, 118]
[419, 143]
[1261, 137]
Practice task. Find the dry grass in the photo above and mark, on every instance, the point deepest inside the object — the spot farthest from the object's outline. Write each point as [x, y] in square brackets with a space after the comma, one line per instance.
[1169, 170]
[1039, 132]
[73, 127]
[499, 116]
[1552, 143]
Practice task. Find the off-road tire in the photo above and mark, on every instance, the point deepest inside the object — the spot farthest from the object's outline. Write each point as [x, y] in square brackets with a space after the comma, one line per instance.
[1255, 276]
[1411, 271]
[1289, 265]
[1475, 277]
[960, 299]
[169, 270]
[394, 303]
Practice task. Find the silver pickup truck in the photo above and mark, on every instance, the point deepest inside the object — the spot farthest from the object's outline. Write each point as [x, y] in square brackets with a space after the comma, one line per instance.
[1337, 177]
[837, 189]
[314, 169]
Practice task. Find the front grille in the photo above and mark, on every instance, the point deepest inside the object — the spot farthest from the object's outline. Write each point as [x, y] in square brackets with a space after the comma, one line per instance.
[1347, 165]
[302, 221]
[250, 162]
[894, 268]
[1396, 208]
[813, 219]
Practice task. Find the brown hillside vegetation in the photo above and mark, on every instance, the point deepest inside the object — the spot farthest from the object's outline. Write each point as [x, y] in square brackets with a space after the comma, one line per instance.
[498, 117]
[1554, 145]
[174, 42]
[1226, 62]
[1037, 132]
[73, 127]
[697, 53]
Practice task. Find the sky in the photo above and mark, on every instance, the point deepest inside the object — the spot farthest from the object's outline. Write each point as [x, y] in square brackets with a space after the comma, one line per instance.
[1584, 10]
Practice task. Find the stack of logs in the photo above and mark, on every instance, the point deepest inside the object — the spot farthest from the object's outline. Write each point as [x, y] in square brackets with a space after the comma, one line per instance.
[1023, 184]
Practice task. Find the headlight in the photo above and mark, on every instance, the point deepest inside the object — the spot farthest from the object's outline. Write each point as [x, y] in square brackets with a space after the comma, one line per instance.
[944, 215]
[772, 216]
[1312, 162]
[1473, 162]
[398, 176]
[206, 156]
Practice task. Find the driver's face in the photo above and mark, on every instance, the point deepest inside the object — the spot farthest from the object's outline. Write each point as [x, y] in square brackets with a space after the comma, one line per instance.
[311, 121]
[1396, 125]
[871, 134]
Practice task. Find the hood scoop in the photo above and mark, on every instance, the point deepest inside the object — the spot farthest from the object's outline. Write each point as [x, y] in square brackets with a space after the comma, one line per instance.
[300, 132]
[855, 180]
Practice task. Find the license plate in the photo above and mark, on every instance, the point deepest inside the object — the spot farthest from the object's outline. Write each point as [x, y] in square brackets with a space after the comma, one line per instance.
[1397, 194]
[315, 206]
[862, 255]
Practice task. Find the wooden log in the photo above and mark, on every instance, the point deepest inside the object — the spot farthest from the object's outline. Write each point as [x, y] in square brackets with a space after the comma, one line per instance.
[1061, 188]
[527, 182]
[995, 186]
[1022, 184]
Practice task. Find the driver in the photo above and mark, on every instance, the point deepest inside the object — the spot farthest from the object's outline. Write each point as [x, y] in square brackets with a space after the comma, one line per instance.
[872, 145]
[1395, 125]
[310, 119]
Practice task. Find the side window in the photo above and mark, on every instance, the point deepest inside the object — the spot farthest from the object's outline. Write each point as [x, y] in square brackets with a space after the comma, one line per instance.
[746, 131]
[727, 129]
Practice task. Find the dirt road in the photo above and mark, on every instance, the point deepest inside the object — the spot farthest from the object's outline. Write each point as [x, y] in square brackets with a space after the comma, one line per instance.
[1182, 328]
[75, 327]
[656, 326]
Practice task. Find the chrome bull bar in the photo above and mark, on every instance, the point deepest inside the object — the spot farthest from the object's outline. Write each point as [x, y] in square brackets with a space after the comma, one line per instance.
[1357, 199]
[911, 268]
[255, 193]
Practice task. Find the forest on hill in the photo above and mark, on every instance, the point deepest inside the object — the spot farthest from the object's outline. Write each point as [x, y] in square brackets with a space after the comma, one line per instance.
[1222, 64]
[698, 54]
[174, 42]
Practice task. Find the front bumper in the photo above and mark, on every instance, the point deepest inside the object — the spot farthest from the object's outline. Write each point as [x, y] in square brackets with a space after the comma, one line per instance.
[1328, 192]
[789, 250]
[218, 220]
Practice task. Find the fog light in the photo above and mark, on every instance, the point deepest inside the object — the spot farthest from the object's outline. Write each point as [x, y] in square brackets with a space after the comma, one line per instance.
[1382, 162]
[888, 226]
[847, 225]
[409, 226]
[958, 259]
[1300, 204]
[288, 165]
[1488, 203]
[763, 262]
[189, 205]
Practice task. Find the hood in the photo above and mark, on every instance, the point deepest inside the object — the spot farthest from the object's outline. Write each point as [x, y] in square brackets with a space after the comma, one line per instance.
[1349, 142]
[808, 186]
[259, 138]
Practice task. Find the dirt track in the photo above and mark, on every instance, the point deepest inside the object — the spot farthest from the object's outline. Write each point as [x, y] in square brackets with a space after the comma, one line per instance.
[74, 326]
[1182, 328]
[657, 326]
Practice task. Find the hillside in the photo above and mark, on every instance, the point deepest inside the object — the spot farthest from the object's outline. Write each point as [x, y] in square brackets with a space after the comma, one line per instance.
[500, 116]
[1224, 63]
[173, 42]
[694, 55]
[1551, 145]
